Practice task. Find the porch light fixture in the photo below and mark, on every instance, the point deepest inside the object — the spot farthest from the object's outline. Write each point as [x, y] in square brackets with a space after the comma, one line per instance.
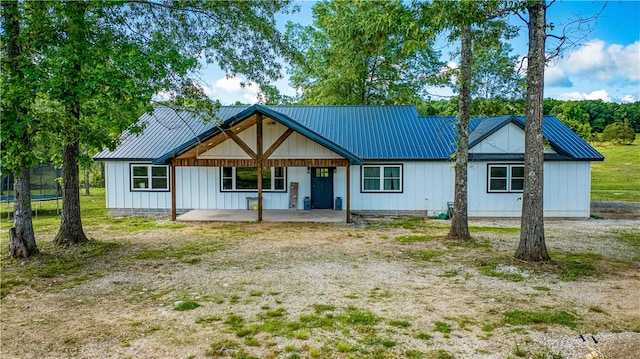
[308, 169]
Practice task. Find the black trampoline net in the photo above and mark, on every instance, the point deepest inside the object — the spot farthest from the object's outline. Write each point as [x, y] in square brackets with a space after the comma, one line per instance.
[44, 184]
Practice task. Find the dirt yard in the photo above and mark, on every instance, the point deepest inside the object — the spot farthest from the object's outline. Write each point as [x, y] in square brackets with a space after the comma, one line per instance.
[379, 288]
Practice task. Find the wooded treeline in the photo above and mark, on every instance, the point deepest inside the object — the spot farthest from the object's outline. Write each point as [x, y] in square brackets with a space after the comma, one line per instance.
[597, 114]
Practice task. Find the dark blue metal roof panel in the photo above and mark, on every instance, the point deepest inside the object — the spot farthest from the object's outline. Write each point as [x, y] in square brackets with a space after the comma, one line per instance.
[561, 138]
[370, 133]
[164, 130]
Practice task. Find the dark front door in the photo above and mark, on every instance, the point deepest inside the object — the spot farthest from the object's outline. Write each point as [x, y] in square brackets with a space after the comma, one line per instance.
[322, 187]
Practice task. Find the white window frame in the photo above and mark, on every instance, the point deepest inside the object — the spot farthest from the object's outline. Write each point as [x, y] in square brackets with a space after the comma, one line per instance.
[382, 178]
[509, 177]
[149, 178]
[273, 179]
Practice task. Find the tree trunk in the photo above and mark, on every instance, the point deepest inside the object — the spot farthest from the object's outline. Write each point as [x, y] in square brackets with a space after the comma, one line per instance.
[532, 245]
[460, 222]
[71, 232]
[22, 242]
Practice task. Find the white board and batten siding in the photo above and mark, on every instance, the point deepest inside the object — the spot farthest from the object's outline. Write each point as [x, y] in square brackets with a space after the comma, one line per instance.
[567, 184]
[197, 188]
[426, 188]
[566, 192]
[120, 200]
[427, 185]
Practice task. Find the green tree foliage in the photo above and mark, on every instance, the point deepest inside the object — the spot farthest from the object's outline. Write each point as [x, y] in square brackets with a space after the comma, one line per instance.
[98, 65]
[629, 112]
[485, 70]
[495, 70]
[362, 52]
[597, 111]
[573, 115]
[619, 132]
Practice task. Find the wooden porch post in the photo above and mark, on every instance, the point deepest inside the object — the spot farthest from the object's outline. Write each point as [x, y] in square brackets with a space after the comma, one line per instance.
[172, 185]
[348, 193]
[260, 163]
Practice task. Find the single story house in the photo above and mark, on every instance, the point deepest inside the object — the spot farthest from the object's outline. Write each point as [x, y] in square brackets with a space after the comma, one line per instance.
[364, 159]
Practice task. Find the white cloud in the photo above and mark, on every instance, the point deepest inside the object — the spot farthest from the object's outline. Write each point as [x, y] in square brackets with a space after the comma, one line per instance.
[578, 96]
[627, 59]
[589, 57]
[629, 99]
[555, 76]
[228, 90]
[610, 64]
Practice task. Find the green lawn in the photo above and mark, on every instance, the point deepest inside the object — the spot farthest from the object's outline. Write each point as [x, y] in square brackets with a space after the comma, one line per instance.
[94, 214]
[617, 178]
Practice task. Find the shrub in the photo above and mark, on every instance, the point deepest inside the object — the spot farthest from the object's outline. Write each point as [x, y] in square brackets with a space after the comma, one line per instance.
[619, 132]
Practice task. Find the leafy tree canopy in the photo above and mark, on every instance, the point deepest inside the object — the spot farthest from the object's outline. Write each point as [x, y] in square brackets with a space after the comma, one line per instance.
[362, 52]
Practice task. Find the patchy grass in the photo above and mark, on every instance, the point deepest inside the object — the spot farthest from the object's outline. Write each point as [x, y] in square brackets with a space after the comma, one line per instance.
[273, 290]
[424, 254]
[222, 348]
[186, 252]
[442, 327]
[497, 269]
[188, 305]
[631, 239]
[542, 289]
[522, 317]
[94, 215]
[357, 316]
[617, 178]
[496, 230]
[400, 323]
[54, 261]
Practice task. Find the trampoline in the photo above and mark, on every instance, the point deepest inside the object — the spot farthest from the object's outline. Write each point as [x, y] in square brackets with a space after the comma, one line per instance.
[44, 186]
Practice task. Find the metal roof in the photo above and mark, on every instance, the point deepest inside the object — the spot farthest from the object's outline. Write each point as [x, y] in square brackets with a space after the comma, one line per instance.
[561, 138]
[164, 130]
[369, 133]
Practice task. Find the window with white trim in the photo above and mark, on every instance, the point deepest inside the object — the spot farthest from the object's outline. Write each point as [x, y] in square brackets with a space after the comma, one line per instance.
[246, 179]
[148, 177]
[381, 178]
[505, 178]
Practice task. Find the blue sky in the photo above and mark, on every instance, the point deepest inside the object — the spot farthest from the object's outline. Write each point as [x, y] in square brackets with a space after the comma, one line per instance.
[604, 65]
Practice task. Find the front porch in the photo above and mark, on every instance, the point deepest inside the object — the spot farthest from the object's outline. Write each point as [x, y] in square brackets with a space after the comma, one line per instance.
[260, 145]
[268, 215]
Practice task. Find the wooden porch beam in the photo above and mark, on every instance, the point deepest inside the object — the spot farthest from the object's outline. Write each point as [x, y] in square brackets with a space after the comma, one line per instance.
[260, 159]
[348, 201]
[242, 144]
[284, 162]
[172, 184]
[278, 142]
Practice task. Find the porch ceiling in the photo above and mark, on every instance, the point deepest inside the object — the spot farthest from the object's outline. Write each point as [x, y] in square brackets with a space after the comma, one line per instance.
[209, 143]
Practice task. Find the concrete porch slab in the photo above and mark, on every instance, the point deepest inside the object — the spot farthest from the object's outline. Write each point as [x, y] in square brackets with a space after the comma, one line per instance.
[270, 215]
